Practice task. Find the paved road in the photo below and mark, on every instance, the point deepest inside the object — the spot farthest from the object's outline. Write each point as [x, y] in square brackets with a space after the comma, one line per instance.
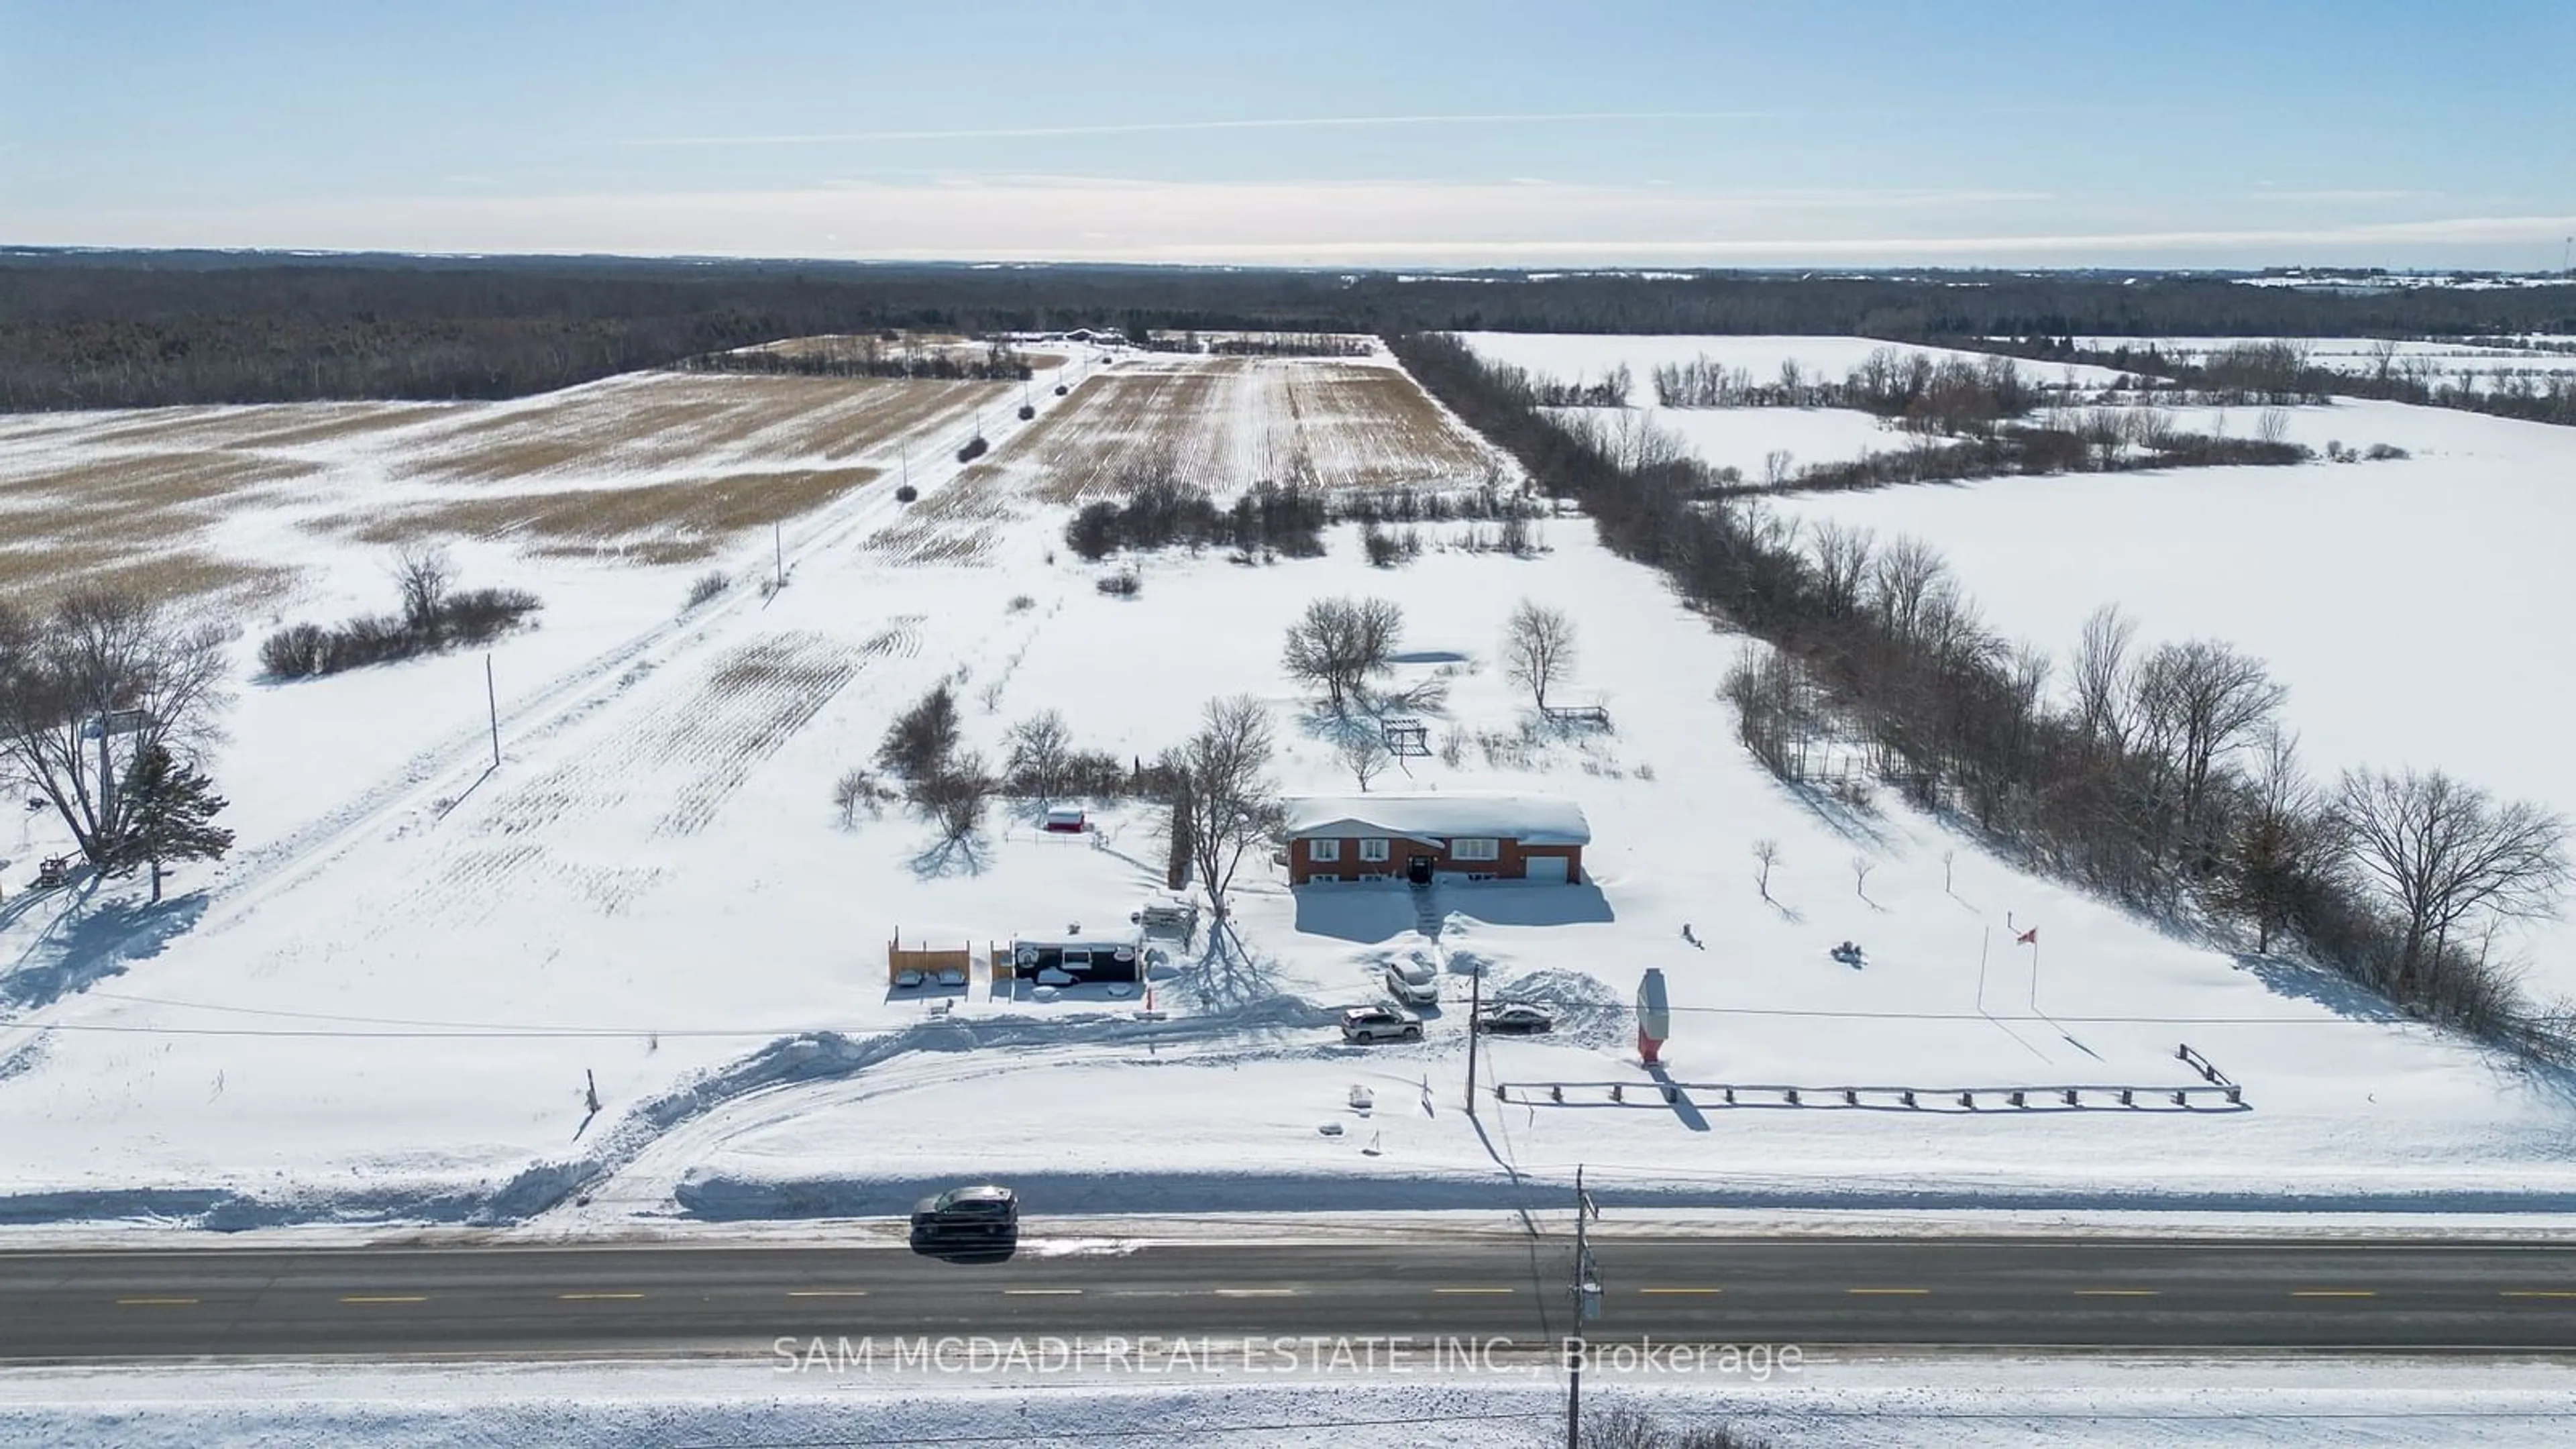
[660, 1298]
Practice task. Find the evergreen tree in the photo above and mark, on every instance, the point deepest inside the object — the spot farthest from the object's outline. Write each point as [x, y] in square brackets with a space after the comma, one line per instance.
[170, 815]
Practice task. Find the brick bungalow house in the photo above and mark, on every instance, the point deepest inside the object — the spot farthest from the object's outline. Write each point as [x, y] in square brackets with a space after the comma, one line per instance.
[1417, 835]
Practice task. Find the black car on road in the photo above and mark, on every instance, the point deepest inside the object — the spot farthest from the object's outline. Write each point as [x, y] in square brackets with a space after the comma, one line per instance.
[982, 1215]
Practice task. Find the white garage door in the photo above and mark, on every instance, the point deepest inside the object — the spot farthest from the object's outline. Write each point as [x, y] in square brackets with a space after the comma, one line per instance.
[1550, 868]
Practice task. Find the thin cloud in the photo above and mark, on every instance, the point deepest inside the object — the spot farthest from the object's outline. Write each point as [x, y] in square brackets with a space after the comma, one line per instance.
[1306, 225]
[2269, 194]
[1290, 123]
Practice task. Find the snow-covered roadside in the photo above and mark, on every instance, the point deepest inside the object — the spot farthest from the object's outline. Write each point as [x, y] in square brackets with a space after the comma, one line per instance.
[1091, 1232]
[1203, 1397]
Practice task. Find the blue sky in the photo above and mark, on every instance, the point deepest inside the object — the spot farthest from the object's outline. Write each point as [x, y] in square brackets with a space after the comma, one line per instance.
[1386, 134]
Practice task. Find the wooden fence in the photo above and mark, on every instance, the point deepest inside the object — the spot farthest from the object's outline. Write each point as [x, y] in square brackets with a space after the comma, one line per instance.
[931, 961]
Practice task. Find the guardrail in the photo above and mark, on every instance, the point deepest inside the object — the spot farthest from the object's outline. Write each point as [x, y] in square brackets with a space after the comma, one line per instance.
[2217, 1094]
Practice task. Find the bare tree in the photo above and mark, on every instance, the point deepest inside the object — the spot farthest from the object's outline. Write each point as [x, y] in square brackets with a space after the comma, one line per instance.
[1366, 757]
[103, 675]
[2101, 670]
[2444, 854]
[1766, 853]
[1861, 865]
[1775, 467]
[954, 797]
[1340, 643]
[1227, 804]
[854, 791]
[2203, 699]
[1842, 564]
[423, 573]
[1041, 757]
[1538, 649]
[1908, 576]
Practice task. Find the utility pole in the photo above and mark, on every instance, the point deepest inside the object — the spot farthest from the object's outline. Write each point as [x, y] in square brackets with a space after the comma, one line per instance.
[492, 701]
[1475, 1013]
[778, 548]
[1587, 1306]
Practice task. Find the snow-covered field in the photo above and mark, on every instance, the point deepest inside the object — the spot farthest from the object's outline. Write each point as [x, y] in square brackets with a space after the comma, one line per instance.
[392, 1003]
[2411, 606]
[1838, 1400]
[1741, 438]
[2437, 363]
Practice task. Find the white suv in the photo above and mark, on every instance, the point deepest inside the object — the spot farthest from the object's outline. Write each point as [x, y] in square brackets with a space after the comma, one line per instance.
[1380, 1023]
[1415, 982]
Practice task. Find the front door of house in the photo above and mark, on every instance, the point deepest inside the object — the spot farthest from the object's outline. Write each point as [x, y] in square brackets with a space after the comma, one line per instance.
[1417, 869]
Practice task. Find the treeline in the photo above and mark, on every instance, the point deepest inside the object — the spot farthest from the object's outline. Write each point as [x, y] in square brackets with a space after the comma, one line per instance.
[2135, 790]
[87, 329]
[2279, 372]
[870, 356]
[1161, 511]
[1158, 509]
[1923, 393]
[434, 615]
[1610, 390]
[1292, 344]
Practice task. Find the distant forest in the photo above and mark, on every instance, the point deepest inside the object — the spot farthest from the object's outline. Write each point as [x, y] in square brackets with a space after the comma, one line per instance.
[122, 329]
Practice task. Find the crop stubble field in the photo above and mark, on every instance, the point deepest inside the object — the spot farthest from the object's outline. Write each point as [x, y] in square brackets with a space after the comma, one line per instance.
[1222, 424]
[654, 468]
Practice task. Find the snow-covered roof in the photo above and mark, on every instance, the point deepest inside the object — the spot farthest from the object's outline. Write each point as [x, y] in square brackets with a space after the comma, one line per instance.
[1441, 816]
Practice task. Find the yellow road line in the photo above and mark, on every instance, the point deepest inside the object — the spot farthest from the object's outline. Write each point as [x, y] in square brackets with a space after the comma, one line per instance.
[1471, 1290]
[2540, 1293]
[2116, 1292]
[827, 1293]
[154, 1302]
[1041, 1292]
[384, 1298]
[1888, 1292]
[1681, 1290]
[2333, 1293]
[594, 1297]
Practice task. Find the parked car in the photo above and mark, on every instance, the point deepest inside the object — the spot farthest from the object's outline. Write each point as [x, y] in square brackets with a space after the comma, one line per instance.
[979, 1214]
[1515, 1016]
[1380, 1023]
[1417, 982]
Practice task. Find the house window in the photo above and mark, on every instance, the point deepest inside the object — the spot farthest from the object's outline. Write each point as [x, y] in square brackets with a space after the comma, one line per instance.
[1323, 851]
[1485, 848]
[1373, 850]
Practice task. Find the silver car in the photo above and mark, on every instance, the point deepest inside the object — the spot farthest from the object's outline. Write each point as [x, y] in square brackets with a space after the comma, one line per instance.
[1380, 1023]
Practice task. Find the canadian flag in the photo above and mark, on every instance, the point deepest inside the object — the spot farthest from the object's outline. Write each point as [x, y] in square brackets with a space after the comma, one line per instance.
[2027, 938]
